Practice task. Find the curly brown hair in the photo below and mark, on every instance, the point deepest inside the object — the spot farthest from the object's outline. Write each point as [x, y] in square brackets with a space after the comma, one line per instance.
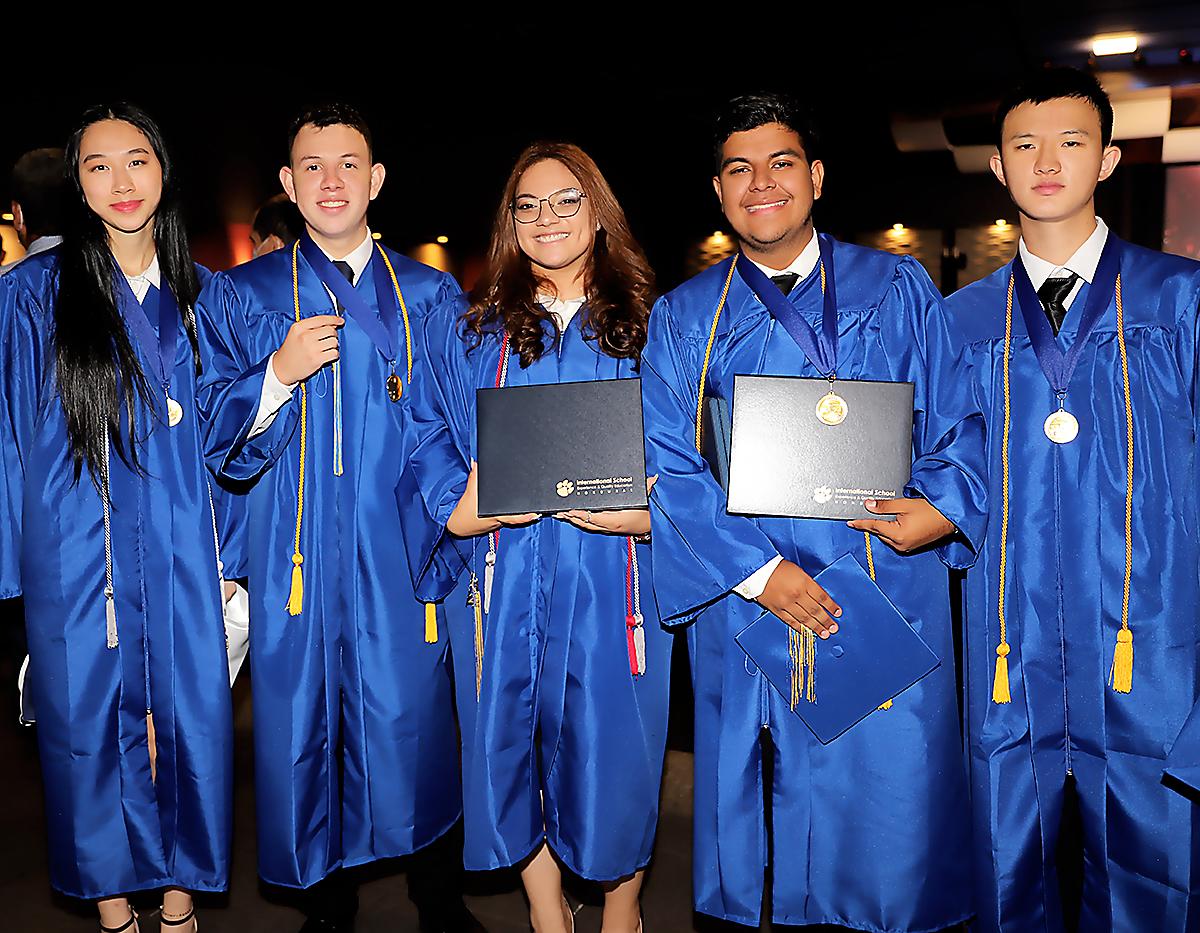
[618, 283]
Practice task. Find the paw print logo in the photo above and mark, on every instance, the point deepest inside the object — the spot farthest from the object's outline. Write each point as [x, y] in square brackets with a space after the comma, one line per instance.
[822, 494]
[564, 488]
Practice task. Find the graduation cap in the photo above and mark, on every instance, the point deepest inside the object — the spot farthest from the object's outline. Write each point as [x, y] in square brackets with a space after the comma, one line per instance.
[874, 656]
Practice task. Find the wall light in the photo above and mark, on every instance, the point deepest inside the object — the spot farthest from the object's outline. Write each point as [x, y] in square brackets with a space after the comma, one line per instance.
[1001, 222]
[1121, 44]
[376, 236]
[443, 239]
[898, 227]
[7, 217]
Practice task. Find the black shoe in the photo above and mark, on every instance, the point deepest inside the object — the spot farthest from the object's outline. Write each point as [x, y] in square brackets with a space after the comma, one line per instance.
[449, 918]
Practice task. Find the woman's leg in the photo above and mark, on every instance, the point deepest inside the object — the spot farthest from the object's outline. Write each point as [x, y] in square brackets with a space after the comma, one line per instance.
[622, 911]
[177, 906]
[548, 911]
[114, 912]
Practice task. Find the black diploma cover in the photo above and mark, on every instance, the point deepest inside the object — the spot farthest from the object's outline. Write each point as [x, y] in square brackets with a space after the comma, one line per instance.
[568, 445]
[786, 462]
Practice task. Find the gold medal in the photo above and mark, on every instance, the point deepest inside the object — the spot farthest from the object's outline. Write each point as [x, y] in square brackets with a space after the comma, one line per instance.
[1061, 427]
[394, 387]
[832, 409]
[174, 412]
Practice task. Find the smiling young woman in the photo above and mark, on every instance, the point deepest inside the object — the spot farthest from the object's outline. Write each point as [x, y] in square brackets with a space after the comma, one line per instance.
[122, 595]
[562, 757]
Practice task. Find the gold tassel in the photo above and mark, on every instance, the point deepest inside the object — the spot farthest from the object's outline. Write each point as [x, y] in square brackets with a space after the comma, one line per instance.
[478, 645]
[1121, 676]
[1000, 692]
[887, 705]
[431, 635]
[295, 603]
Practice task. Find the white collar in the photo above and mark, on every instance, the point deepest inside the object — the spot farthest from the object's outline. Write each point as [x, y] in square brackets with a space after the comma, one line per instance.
[358, 257]
[140, 284]
[1083, 261]
[563, 309]
[802, 265]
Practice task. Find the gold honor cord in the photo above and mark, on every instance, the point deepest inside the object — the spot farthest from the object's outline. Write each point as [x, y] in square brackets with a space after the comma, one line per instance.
[295, 603]
[1121, 673]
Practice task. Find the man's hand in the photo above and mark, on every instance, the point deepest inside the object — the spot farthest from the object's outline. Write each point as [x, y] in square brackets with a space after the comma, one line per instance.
[309, 345]
[465, 522]
[917, 523]
[615, 522]
[798, 599]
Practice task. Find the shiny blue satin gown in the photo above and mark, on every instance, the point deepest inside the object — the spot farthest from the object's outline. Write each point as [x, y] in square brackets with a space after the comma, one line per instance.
[564, 743]
[1065, 573]
[356, 756]
[111, 829]
[869, 831]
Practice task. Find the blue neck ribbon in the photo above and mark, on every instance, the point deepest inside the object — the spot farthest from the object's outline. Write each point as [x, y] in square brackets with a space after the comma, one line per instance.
[383, 327]
[821, 349]
[160, 303]
[1056, 365]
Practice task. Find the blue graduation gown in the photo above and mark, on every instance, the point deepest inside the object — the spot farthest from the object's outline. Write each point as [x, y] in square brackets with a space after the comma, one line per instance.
[1183, 763]
[868, 831]
[1065, 579]
[347, 694]
[112, 830]
[563, 743]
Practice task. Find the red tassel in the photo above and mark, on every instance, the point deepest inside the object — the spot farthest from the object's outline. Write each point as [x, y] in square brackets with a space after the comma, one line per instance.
[631, 644]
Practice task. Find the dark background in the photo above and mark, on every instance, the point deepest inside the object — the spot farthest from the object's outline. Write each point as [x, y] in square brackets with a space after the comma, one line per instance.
[452, 100]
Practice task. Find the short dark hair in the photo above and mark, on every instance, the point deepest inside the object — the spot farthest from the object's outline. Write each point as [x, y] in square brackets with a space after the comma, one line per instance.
[278, 216]
[335, 114]
[39, 185]
[750, 111]
[1054, 84]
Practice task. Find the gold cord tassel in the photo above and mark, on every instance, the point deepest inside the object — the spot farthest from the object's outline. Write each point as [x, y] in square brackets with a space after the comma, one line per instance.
[871, 570]
[295, 603]
[431, 635]
[1121, 676]
[478, 647]
[1000, 691]
[797, 667]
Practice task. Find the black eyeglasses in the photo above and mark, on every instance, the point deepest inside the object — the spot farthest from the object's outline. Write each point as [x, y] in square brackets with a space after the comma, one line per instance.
[565, 203]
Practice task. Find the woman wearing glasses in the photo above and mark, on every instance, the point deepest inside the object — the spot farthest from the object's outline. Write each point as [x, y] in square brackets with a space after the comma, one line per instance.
[112, 524]
[561, 665]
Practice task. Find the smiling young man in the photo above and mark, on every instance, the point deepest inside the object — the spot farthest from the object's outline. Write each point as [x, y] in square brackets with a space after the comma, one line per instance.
[307, 358]
[867, 831]
[1084, 351]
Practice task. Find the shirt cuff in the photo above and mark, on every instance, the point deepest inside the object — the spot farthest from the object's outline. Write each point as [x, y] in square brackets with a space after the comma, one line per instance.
[752, 587]
[274, 396]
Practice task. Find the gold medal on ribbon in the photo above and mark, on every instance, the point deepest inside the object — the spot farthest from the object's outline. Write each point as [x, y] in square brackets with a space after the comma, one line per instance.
[832, 409]
[1061, 426]
[174, 412]
[394, 387]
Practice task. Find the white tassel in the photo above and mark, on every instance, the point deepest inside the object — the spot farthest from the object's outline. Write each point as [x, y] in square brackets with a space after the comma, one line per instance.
[489, 573]
[110, 616]
[639, 644]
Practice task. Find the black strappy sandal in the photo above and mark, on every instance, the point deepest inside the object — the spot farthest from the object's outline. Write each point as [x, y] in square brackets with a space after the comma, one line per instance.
[131, 922]
[186, 918]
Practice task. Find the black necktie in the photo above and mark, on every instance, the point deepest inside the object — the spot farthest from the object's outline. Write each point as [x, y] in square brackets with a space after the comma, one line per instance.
[1052, 294]
[786, 281]
[344, 268]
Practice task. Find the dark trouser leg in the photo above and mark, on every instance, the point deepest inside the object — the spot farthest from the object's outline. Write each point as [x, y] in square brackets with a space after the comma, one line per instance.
[331, 904]
[1068, 856]
[435, 883]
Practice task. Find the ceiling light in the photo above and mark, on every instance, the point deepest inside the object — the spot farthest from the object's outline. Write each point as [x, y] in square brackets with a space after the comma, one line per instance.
[1115, 45]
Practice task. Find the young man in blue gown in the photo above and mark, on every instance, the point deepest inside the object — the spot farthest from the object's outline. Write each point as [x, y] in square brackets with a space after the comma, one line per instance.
[307, 358]
[868, 831]
[1081, 612]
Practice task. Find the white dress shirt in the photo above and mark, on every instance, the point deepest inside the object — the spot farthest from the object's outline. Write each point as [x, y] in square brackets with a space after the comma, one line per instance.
[274, 393]
[752, 587]
[563, 310]
[140, 284]
[1083, 262]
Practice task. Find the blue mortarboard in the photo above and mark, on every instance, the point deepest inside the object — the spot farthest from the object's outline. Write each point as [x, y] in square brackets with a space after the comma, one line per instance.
[874, 656]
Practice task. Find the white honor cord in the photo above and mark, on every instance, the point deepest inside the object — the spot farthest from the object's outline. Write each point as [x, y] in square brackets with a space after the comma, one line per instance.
[110, 606]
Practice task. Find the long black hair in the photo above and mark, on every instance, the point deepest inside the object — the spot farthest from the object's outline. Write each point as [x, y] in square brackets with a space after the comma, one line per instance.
[97, 369]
